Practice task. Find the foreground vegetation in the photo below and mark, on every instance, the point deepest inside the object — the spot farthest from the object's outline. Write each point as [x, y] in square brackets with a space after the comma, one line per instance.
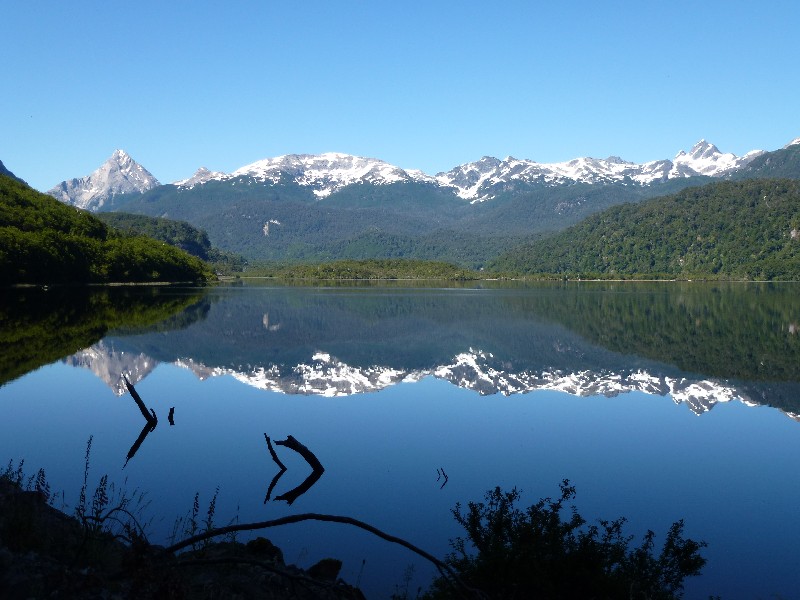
[538, 553]
[729, 230]
[45, 241]
[546, 551]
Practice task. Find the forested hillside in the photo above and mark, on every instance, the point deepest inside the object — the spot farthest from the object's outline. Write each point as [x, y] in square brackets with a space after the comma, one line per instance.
[45, 241]
[740, 230]
[285, 222]
[175, 233]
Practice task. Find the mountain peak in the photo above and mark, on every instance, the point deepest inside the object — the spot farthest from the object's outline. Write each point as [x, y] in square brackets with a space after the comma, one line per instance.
[328, 172]
[119, 174]
[202, 175]
[703, 149]
[706, 159]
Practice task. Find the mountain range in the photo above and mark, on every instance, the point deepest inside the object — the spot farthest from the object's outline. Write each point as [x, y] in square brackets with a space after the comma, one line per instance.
[319, 207]
[481, 180]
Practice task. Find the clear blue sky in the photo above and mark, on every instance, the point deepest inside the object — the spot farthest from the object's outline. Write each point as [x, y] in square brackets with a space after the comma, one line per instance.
[421, 84]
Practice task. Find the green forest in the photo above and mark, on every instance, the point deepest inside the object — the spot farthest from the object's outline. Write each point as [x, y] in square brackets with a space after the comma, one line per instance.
[374, 269]
[45, 241]
[728, 230]
[175, 233]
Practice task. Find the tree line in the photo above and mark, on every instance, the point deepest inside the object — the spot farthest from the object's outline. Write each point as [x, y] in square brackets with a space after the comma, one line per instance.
[45, 241]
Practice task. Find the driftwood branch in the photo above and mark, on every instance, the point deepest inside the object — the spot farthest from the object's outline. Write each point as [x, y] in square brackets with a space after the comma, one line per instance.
[150, 417]
[442, 567]
[316, 469]
[291, 443]
[272, 485]
[148, 427]
[301, 489]
[272, 453]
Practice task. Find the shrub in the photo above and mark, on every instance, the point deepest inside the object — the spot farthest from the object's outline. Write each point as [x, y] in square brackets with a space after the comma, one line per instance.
[542, 553]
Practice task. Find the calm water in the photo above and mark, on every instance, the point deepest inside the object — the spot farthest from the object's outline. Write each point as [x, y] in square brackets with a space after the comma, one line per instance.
[657, 401]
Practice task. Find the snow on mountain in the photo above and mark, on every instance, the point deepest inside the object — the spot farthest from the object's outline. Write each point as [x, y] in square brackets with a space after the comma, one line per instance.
[476, 181]
[200, 176]
[483, 179]
[327, 173]
[794, 142]
[120, 174]
[706, 159]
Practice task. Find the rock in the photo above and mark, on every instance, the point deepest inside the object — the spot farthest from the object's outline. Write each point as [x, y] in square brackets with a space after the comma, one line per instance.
[326, 570]
[265, 550]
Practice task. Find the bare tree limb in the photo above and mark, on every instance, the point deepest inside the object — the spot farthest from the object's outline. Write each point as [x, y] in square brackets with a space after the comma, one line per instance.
[442, 567]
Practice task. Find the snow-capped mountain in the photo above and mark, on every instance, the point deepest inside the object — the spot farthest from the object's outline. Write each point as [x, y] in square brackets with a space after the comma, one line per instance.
[200, 176]
[478, 181]
[120, 174]
[484, 179]
[327, 173]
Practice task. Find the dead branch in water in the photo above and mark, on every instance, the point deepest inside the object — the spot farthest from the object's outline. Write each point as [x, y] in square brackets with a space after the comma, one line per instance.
[272, 453]
[442, 567]
[291, 443]
[150, 417]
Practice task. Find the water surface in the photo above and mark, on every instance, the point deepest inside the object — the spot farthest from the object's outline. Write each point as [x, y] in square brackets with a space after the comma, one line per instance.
[658, 402]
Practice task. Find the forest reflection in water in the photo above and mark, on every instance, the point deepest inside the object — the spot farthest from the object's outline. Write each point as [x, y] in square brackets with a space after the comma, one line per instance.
[381, 382]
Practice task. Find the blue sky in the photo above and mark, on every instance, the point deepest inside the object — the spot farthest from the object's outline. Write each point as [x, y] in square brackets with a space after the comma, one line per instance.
[426, 85]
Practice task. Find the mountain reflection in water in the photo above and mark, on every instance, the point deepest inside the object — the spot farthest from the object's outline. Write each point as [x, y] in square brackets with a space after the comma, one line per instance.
[698, 343]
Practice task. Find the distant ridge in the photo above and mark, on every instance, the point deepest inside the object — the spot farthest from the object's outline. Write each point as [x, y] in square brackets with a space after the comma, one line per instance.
[7, 173]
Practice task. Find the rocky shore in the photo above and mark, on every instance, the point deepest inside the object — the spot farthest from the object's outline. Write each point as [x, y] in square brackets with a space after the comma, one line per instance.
[45, 553]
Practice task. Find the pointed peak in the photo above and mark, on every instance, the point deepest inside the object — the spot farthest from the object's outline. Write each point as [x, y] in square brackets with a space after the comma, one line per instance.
[202, 175]
[701, 150]
[120, 174]
[703, 147]
[120, 155]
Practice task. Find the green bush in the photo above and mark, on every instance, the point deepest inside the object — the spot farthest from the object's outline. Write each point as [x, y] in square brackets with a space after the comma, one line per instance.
[538, 553]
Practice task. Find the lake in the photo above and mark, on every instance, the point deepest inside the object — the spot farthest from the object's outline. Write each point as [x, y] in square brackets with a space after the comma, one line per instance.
[658, 401]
